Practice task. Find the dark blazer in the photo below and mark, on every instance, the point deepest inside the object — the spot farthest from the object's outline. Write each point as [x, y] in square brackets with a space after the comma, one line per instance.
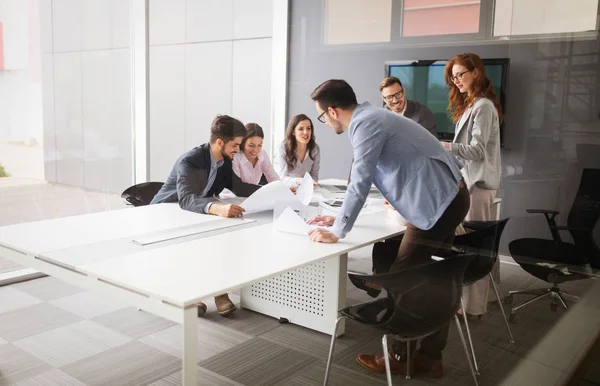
[418, 112]
[422, 115]
[189, 177]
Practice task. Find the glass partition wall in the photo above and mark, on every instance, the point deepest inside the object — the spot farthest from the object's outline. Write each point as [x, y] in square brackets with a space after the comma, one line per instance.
[547, 55]
[66, 133]
[98, 95]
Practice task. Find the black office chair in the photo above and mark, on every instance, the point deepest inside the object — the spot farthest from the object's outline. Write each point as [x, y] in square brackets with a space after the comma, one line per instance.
[547, 259]
[482, 240]
[596, 235]
[420, 301]
[141, 194]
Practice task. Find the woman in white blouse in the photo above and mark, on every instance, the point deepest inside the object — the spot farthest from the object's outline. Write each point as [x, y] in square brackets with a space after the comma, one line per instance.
[253, 162]
[298, 153]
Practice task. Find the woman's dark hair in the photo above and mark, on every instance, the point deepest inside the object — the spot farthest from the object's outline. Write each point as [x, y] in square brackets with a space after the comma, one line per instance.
[290, 140]
[252, 130]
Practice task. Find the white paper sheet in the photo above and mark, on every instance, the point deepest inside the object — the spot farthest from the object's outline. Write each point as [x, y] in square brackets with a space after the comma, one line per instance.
[265, 197]
[305, 190]
[305, 212]
[290, 222]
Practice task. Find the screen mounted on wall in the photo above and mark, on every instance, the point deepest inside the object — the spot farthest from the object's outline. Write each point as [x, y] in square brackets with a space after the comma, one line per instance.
[424, 82]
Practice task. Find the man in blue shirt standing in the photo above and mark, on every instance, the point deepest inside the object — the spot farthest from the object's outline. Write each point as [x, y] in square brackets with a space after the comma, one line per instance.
[416, 176]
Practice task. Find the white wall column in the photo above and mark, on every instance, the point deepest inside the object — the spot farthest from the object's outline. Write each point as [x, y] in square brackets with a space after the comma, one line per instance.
[140, 90]
[279, 73]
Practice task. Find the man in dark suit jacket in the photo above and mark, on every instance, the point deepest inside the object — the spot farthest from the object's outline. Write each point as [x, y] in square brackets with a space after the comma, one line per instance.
[201, 174]
[394, 96]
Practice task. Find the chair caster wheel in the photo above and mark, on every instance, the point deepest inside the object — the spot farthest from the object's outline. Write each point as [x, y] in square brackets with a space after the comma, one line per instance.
[512, 318]
[508, 300]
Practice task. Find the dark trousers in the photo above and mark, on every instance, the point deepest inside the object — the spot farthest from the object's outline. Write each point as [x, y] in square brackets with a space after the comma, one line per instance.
[416, 247]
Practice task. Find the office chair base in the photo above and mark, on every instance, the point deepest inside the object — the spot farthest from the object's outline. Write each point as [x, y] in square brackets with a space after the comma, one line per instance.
[555, 293]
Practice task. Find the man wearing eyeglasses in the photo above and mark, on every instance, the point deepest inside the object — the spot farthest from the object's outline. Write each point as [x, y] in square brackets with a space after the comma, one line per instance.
[394, 96]
[418, 178]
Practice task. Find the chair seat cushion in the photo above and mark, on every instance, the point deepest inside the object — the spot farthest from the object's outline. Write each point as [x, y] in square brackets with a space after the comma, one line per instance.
[374, 312]
[543, 258]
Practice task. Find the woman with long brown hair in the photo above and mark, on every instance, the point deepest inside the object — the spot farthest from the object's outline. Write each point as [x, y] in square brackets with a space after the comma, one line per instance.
[298, 153]
[252, 164]
[475, 109]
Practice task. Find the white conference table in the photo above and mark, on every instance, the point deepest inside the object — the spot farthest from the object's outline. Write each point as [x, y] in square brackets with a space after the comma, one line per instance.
[120, 253]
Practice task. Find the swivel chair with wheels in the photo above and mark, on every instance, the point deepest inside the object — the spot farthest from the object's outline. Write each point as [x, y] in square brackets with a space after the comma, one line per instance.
[554, 260]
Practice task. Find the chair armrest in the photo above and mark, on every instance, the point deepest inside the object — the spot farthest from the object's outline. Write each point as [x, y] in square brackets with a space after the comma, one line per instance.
[543, 211]
[550, 215]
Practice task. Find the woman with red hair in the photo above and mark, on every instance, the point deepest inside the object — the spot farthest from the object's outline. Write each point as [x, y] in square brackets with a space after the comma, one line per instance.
[476, 111]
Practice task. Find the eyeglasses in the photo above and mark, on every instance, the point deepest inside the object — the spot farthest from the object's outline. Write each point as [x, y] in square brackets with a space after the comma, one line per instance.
[321, 118]
[397, 96]
[458, 76]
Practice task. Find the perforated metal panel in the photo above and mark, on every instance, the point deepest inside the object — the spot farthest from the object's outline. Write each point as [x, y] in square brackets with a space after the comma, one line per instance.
[309, 296]
[302, 289]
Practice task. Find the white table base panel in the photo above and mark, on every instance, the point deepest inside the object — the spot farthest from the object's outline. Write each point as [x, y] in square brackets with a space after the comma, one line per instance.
[309, 296]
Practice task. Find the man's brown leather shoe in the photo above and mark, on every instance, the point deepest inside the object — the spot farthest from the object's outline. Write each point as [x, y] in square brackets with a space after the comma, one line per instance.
[224, 305]
[201, 309]
[377, 363]
[429, 367]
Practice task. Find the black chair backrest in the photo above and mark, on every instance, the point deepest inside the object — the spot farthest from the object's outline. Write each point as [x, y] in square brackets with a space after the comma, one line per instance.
[141, 194]
[596, 235]
[483, 241]
[585, 213]
[423, 298]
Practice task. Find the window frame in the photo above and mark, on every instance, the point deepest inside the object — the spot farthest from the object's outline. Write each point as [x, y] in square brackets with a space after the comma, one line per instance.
[582, 35]
[483, 37]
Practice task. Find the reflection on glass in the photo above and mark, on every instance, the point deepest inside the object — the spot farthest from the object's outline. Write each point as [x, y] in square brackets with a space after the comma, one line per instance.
[358, 21]
[534, 17]
[426, 84]
[440, 17]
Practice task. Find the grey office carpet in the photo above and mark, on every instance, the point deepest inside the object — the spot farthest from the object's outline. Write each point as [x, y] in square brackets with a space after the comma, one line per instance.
[52, 333]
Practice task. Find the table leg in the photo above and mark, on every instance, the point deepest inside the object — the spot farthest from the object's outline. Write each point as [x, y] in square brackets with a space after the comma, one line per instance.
[341, 294]
[190, 345]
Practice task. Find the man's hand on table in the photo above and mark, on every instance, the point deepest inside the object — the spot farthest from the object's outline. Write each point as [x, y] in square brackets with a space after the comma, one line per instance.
[229, 210]
[322, 236]
[322, 221]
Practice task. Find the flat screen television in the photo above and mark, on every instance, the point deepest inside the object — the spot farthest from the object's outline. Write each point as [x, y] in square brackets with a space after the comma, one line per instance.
[424, 82]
